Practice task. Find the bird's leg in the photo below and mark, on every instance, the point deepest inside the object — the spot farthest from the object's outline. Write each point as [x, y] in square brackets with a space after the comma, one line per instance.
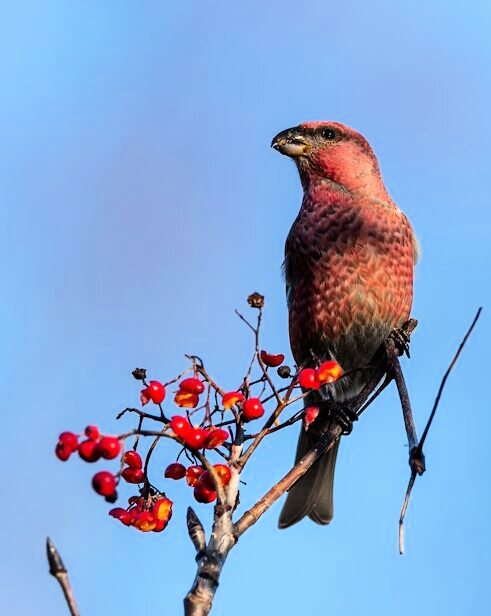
[344, 416]
[402, 335]
[416, 457]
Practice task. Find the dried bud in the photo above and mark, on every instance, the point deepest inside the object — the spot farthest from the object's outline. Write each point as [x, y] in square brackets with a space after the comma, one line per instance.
[140, 374]
[255, 300]
[284, 372]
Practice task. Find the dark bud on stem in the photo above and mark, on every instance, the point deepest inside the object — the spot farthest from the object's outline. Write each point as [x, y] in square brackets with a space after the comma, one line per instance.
[284, 372]
[56, 565]
[255, 300]
[140, 374]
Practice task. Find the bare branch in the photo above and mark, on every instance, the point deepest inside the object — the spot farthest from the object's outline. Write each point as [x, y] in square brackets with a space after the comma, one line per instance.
[417, 452]
[405, 504]
[445, 377]
[59, 572]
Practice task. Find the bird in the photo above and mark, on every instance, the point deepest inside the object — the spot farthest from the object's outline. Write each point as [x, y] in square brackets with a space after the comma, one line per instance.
[349, 269]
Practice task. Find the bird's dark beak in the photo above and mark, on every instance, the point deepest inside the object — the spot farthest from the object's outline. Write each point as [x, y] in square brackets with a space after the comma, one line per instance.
[290, 142]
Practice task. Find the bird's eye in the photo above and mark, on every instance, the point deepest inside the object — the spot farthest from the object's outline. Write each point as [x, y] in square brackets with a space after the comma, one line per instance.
[329, 134]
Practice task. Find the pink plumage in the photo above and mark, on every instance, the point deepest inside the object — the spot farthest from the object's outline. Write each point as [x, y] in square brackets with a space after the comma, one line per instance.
[349, 260]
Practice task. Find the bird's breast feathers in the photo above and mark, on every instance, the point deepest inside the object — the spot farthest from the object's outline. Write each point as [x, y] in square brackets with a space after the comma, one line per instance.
[349, 273]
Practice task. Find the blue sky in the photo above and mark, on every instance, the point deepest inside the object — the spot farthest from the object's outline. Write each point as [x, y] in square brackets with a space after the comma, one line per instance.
[142, 204]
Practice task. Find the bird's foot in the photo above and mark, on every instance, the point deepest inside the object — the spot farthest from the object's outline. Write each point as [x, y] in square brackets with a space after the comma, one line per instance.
[401, 337]
[344, 416]
[417, 461]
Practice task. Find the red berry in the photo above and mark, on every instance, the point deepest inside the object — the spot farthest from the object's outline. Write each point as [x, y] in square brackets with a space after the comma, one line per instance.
[203, 495]
[215, 438]
[308, 379]
[89, 451]
[272, 360]
[145, 521]
[196, 438]
[133, 475]
[134, 511]
[62, 452]
[122, 515]
[154, 392]
[175, 471]
[69, 440]
[104, 483]
[180, 425]
[309, 415]
[92, 432]
[162, 509]
[206, 480]
[252, 409]
[160, 525]
[186, 400]
[329, 371]
[231, 398]
[224, 473]
[193, 473]
[192, 386]
[109, 447]
[133, 459]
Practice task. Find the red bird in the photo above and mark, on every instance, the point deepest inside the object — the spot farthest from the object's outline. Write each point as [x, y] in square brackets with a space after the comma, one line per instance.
[349, 260]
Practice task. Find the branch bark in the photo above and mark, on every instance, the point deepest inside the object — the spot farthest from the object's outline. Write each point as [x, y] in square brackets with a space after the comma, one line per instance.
[59, 572]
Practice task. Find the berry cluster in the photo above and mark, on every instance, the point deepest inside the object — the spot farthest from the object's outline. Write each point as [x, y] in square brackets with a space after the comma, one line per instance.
[94, 447]
[200, 479]
[146, 514]
[202, 429]
[196, 437]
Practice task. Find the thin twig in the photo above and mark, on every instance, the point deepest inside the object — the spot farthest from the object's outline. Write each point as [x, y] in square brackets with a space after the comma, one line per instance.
[59, 572]
[242, 318]
[418, 450]
[445, 376]
[289, 422]
[266, 428]
[141, 414]
[405, 504]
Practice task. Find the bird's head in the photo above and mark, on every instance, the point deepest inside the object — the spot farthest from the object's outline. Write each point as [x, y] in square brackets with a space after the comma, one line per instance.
[330, 151]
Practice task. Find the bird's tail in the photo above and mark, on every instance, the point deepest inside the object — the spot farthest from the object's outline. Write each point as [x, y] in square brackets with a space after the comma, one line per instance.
[312, 494]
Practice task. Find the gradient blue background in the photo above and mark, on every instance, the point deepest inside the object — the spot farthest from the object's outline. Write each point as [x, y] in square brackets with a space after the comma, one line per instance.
[141, 203]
